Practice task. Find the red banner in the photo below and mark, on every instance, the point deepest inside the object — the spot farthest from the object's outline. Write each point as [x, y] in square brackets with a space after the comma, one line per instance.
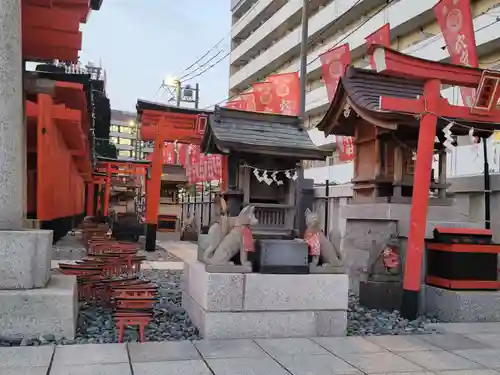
[236, 104]
[333, 65]
[182, 154]
[455, 20]
[249, 101]
[287, 89]
[345, 147]
[266, 99]
[382, 37]
[169, 153]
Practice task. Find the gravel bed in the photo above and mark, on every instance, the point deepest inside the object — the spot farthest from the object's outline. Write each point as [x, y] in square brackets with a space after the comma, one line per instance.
[171, 323]
[362, 321]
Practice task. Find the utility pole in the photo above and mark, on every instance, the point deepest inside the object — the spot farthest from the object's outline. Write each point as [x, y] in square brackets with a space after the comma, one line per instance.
[303, 57]
[182, 94]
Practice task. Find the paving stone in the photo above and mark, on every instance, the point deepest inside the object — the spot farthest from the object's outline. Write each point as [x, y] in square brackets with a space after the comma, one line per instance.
[95, 369]
[487, 357]
[211, 349]
[492, 339]
[162, 351]
[380, 363]
[171, 368]
[245, 366]
[90, 354]
[466, 328]
[39, 370]
[468, 372]
[409, 373]
[402, 343]
[440, 361]
[453, 341]
[347, 345]
[292, 346]
[322, 364]
[25, 356]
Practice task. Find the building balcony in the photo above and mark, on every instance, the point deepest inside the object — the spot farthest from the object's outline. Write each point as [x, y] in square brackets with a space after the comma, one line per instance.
[255, 14]
[121, 147]
[487, 40]
[404, 16]
[122, 135]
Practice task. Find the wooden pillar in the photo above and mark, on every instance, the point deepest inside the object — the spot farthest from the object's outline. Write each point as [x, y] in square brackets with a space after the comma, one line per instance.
[398, 171]
[90, 199]
[153, 192]
[420, 202]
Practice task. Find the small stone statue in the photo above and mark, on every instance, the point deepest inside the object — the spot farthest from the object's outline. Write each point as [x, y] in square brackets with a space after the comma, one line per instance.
[223, 247]
[189, 231]
[385, 264]
[322, 252]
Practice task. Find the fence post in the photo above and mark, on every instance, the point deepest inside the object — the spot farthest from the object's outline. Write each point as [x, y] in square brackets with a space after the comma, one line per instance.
[327, 204]
[210, 203]
[202, 205]
[195, 203]
[182, 210]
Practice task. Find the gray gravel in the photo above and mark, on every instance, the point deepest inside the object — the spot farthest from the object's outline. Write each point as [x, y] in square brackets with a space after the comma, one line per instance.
[362, 321]
[171, 323]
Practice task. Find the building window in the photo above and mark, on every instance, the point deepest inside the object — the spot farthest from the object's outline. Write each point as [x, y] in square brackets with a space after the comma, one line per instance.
[124, 141]
[114, 140]
[125, 129]
[124, 154]
[114, 128]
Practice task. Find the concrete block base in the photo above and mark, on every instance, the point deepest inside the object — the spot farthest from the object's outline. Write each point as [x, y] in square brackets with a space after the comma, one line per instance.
[34, 312]
[250, 305]
[26, 256]
[461, 306]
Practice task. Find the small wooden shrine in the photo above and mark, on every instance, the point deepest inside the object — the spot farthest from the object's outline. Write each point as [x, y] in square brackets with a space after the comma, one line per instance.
[264, 153]
[385, 142]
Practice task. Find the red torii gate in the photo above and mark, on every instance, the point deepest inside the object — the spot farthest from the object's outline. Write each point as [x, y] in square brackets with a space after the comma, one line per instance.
[161, 123]
[429, 108]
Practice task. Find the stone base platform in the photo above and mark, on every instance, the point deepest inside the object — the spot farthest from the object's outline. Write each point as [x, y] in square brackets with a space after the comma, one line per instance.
[250, 305]
[461, 306]
[33, 312]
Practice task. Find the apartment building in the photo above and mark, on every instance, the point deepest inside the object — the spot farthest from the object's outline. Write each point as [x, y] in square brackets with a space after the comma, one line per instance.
[123, 134]
[266, 36]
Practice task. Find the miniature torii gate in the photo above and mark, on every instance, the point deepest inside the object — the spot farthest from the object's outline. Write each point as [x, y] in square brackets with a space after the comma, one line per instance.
[105, 171]
[161, 126]
[429, 108]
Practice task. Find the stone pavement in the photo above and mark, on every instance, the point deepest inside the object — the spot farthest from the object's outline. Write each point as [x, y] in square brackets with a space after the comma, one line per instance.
[468, 353]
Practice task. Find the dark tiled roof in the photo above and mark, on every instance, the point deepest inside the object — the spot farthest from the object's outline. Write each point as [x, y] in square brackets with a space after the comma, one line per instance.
[365, 88]
[148, 105]
[259, 133]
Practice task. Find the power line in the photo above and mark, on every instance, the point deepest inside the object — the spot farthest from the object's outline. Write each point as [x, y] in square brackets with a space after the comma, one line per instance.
[217, 44]
[184, 77]
[207, 69]
[324, 31]
[432, 40]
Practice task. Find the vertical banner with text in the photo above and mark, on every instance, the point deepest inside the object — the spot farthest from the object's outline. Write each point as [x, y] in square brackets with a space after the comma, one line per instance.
[248, 99]
[380, 36]
[333, 66]
[236, 104]
[287, 90]
[455, 20]
[266, 99]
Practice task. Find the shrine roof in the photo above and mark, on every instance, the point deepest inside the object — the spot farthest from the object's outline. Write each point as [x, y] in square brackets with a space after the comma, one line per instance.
[231, 130]
[143, 105]
[362, 90]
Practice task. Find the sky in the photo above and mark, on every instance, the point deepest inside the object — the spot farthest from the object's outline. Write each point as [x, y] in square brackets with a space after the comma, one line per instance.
[141, 42]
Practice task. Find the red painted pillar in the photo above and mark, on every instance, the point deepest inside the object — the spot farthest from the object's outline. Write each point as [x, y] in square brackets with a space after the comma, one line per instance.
[153, 193]
[90, 199]
[420, 202]
[107, 190]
